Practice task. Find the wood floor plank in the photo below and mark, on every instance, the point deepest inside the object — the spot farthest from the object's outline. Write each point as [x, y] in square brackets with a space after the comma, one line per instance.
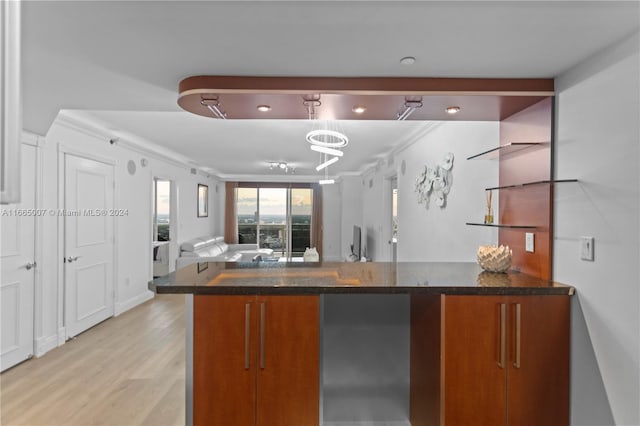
[128, 370]
[170, 409]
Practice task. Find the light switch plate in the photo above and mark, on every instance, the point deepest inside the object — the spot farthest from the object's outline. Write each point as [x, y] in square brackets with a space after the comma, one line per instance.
[586, 248]
[528, 242]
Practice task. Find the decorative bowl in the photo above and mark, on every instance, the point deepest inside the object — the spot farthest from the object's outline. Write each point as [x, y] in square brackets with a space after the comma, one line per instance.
[494, 259]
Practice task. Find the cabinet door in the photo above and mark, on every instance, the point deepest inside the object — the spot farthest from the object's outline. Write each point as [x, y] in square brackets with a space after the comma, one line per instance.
[474, 360]
[288, 361]
[538, 376]
[224, 362]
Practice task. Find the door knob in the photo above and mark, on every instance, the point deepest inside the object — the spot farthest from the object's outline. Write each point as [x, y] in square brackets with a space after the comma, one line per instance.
[72, 259]
[30, 265]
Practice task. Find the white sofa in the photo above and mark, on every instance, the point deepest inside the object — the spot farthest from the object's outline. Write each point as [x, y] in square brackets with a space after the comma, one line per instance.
[160, 258]
[215, 249]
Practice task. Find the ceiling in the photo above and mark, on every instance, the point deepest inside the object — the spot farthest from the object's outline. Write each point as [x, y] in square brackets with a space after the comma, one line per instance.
[119, 63]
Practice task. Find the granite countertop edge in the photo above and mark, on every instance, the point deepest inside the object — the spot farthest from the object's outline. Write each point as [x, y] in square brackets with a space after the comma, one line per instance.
[317, 290]
[448, 278]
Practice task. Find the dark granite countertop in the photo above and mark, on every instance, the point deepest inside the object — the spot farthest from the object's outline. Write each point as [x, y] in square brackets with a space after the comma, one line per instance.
[336, 277]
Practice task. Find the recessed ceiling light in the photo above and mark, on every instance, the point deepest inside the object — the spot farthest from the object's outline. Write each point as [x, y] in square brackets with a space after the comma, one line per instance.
[359, 109]
[452, 109]
[264, 108]
[408, 60]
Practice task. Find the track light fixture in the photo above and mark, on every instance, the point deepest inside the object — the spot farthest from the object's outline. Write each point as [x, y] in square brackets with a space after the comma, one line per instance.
[311, 102]
[411, 103]
[281, 165]
[214, 106]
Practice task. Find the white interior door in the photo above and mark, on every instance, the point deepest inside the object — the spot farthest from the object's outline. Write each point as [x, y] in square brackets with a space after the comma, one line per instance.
[18, 268]
[88, 243]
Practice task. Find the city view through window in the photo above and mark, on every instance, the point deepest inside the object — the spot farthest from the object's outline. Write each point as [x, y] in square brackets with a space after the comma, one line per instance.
[162, 209]
[276, 218]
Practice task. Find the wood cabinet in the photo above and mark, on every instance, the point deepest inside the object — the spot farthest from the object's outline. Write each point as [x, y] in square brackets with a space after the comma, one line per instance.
[499, 360]
[256, 360]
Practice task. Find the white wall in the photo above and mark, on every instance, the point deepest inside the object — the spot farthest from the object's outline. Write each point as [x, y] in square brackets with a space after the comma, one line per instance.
[351, 189]
[598, 138]
[331, 220]
[434, 233]
[374, 217]
[218, 213]
[133, 232]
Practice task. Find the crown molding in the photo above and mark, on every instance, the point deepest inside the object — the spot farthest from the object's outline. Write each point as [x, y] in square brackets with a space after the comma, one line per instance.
[30, 138]
[273, 178]
[379, 161]
[139, 145]
[415, 137]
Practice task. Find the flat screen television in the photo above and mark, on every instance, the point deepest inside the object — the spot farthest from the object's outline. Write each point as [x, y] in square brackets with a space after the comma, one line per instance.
[355, 247]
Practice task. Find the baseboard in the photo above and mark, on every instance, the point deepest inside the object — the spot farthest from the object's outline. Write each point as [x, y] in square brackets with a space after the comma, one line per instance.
[133, 302]
[45, 344]
[62, 336]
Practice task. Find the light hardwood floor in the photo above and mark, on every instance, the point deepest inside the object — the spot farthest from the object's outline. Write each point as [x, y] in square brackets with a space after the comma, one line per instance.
[128, 370]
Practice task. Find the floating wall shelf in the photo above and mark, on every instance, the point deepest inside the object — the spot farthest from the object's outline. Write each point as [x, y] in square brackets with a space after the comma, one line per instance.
[495, 225]
[505, 150]
[540, 182]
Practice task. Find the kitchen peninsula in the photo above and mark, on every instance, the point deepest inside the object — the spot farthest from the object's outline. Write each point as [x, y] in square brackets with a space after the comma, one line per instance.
[485, 348]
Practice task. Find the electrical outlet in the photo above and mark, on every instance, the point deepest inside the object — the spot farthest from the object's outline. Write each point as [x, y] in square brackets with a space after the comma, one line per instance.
[528, 242]
[586, 248]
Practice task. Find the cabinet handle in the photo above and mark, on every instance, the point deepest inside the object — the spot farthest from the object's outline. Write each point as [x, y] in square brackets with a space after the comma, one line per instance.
[262, 319]
[516, 364]
[247, 333]
[503, 334]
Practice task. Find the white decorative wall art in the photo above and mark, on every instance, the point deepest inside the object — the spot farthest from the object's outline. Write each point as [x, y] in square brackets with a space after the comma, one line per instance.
[436, 180]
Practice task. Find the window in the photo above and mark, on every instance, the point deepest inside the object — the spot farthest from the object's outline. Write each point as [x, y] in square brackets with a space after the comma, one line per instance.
[301, 219]
[279, 218]
[161, 209]
[247, 209]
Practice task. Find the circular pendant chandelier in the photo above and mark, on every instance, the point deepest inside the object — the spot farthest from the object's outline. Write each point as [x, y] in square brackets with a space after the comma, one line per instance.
[327, 138]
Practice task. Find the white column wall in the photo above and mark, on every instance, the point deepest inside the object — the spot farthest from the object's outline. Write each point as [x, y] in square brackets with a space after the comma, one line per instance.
[351, 207]
[331, 219]
[373, 217]
[598, 139]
